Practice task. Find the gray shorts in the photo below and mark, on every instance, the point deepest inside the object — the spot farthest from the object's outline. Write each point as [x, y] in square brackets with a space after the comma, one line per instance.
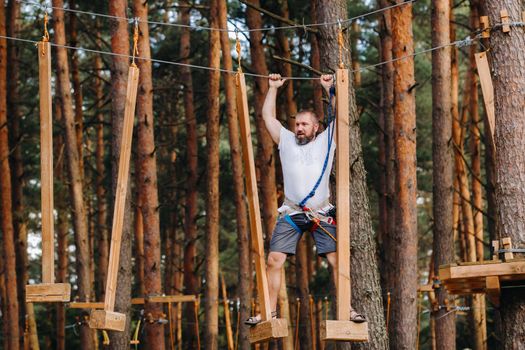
[285, 236]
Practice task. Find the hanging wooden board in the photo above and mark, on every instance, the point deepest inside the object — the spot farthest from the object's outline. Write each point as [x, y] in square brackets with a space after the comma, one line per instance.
[488, 92]
[268, 328]
[48, 290]
[107, 318]
[343, 329]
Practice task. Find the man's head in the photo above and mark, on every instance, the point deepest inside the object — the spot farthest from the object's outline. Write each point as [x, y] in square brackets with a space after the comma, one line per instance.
[306, 126]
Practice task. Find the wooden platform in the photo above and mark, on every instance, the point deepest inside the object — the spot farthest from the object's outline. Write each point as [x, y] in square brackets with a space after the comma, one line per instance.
[48, 292]
[344, 331]
[482, 277]
[266, 330]
[109, 320]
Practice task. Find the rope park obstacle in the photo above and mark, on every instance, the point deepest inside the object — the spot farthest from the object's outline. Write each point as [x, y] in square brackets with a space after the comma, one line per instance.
[340, 329]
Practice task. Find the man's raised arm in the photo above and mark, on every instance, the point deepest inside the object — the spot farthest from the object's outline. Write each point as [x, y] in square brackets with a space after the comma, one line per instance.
[269, 109]
[327, 80]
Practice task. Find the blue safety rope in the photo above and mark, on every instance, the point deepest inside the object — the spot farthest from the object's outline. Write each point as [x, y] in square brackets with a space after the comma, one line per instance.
[330, 130]
[290, 221]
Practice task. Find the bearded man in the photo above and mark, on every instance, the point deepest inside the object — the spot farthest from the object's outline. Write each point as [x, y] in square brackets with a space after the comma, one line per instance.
[305, 157]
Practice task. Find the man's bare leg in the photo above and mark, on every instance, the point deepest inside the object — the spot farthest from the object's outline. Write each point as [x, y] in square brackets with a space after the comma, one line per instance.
[274, 266]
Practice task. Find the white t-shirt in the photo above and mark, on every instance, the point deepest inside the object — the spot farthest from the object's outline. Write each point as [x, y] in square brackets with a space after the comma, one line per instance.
[302, 166]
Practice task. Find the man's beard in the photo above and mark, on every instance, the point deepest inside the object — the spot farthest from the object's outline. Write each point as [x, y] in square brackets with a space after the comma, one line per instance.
[303, 140]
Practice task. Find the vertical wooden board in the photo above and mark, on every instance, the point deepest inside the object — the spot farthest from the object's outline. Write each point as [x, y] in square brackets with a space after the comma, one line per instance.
[253, 197]
[343, 196]
[122, 186]
[495, 248]
[46, 162]
[492, 288]
[488, 91]
[505, 21]
[484, 26]
[275, 328]
[506, 243]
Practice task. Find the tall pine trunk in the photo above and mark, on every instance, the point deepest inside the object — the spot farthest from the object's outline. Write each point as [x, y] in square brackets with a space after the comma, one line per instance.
[77, 87]
[147, 181]
[366, 290]
[315, 59]
[75, 174]
[265, 153]
[8, 236]
[386, 137]
[119, 79]
[243, 241]
[62, 229]
[211, 294]
[191, 207]
[442, 170]
[508, 54]
[404, 247]
[101, 192]
[16, 162]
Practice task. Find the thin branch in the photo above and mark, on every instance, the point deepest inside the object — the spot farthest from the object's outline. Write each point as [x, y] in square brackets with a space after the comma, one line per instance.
[277, 17]
[299, 64]
[475, 206]
[460, 152]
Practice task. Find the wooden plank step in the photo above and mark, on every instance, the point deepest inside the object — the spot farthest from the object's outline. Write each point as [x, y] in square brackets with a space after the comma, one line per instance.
[344, 331]
[108, 320]
[266, 330]
[483, 269]
[48, 292]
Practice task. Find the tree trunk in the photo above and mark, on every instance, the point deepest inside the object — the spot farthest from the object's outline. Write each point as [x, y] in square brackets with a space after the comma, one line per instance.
[366, 296]
[211, 294]
[190, 220]
[62, 230]
[139, 247]
[477, 317]
[315, 60]
[3, 295]
[147, 181]
[119, 79]
[404, 247]
[75, 177]
[509, 94]
[355, 32]
[442, 160]
[479, 301]
[77, 87]
[101, 193]
[265, 154]
[284, 49]
[9, 253]
[17, 176]
[243, 241]
[386, 142]
[303, 293]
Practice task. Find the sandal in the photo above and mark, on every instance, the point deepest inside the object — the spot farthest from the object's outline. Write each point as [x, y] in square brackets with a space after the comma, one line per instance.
[356, 317]
[254, 320]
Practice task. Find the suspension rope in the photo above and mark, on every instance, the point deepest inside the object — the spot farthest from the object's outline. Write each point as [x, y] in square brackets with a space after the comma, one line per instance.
[459, 43]
[238, 50]
[135, 41]
[197, 27]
